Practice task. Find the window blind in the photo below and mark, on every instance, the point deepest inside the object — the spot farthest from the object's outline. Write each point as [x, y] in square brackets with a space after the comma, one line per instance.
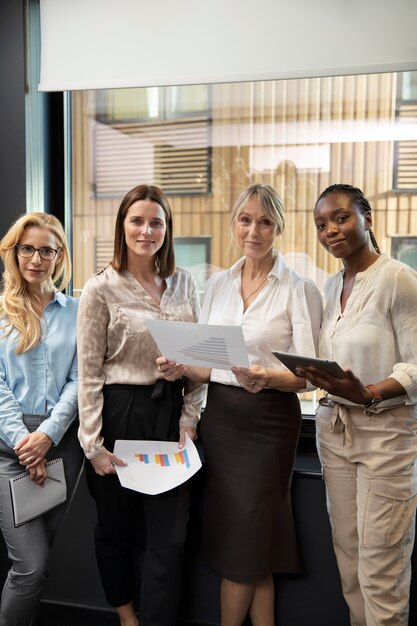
[94, 44]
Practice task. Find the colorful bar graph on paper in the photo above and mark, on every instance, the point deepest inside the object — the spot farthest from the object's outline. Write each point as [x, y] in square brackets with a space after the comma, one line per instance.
[182, 457]
[143, 458]
[162, 460]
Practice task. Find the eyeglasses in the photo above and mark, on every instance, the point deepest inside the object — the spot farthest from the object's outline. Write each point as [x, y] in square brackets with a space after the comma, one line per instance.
[27, 252]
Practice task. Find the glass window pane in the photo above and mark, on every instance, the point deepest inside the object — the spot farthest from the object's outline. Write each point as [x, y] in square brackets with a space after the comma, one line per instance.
[128, 104]
[186, 99]
[206, 143]
[409, 86]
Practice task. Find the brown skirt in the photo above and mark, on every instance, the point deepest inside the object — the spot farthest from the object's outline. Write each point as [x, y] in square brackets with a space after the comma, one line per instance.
[249, 444]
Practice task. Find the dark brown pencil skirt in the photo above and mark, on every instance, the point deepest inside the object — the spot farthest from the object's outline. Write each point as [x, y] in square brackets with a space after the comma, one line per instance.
[249, 444]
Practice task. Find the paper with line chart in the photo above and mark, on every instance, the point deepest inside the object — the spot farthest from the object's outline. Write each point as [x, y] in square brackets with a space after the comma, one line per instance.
[155, 466]
[202, 345]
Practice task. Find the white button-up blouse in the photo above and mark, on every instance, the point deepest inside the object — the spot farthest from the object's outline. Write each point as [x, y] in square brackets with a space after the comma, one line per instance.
[285, 315]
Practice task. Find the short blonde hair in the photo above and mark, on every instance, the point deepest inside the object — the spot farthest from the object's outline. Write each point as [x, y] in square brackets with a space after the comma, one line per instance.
[18, 303]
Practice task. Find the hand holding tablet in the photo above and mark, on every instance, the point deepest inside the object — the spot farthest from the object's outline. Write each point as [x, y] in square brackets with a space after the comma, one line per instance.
[294, 361]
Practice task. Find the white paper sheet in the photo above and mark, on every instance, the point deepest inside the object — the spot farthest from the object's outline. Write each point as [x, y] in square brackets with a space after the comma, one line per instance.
[202, 345]
[155, 466]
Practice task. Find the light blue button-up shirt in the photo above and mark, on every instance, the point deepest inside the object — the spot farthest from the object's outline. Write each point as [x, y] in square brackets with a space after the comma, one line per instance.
[42, 381]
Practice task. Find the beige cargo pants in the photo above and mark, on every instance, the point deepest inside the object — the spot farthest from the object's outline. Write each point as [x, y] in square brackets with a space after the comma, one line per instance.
[369, 466]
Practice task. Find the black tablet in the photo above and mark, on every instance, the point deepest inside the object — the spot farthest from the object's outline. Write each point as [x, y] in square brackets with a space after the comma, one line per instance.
[293, 361]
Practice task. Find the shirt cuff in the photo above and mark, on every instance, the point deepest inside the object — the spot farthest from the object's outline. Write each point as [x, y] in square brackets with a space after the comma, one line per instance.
[52, 429]
[94, 452]
[15, 437]
[188, 422]
[407, 382]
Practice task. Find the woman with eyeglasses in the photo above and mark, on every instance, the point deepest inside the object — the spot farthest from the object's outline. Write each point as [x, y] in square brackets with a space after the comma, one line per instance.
[38, 397]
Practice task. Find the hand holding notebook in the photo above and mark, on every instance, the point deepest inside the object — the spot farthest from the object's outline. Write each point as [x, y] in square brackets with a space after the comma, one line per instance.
[30, 500]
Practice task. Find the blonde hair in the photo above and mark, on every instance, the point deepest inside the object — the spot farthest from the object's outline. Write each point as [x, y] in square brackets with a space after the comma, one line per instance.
[270, 201]
[18, 303]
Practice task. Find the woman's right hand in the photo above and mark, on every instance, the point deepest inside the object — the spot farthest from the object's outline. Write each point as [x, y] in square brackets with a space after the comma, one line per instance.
[171, 370]
[105, 462]
[33, 448]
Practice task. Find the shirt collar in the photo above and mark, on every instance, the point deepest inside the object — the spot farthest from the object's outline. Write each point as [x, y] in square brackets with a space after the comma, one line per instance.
[60, 298]
[277, 269]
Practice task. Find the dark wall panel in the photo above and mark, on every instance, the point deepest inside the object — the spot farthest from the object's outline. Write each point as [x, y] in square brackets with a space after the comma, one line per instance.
[311, 598]
[12, 113]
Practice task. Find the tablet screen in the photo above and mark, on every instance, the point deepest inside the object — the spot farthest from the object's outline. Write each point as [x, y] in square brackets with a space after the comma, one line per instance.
[292, 361]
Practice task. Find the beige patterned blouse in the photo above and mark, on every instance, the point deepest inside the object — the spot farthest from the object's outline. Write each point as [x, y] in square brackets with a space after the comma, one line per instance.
[115, 346]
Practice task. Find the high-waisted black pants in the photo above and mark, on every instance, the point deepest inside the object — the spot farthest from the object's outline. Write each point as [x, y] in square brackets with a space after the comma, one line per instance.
[126, 517]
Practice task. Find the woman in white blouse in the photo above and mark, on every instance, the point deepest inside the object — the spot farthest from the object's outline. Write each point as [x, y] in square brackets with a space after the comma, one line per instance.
[252, 419]
[122, 395]
[367, 423]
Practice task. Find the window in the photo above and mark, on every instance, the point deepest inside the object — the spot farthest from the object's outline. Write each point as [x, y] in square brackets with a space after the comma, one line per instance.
[297, 135]
[405, 150]
[404, 248]
[159, 135]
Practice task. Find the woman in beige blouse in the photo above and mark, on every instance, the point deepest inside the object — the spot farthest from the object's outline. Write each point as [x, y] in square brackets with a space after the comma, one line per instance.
[123, 396]
[367, 422]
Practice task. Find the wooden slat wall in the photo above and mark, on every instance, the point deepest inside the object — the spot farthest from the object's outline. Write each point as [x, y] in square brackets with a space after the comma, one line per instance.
[272, 116]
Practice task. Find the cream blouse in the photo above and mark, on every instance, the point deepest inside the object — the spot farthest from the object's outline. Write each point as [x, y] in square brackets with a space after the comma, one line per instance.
[376, 335]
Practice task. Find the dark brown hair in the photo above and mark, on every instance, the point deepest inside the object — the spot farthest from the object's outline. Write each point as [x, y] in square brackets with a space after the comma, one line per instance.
[165, 257]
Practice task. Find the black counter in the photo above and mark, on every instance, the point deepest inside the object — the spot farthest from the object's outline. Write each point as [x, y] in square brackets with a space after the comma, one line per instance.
[311, 598]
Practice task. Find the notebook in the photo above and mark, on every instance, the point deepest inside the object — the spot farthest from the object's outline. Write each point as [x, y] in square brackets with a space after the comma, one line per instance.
[30, 500]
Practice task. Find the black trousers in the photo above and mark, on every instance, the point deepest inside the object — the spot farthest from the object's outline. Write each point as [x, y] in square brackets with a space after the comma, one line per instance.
[126, 517]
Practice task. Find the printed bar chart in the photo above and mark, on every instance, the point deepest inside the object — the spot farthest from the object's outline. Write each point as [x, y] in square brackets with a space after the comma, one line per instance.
[155, 466]
[182, 457]
[143, 458]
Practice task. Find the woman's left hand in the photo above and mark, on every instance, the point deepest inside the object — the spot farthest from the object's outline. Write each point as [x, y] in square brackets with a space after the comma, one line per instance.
[192, 433]
[349, 387]
[254, 379]
[33, 448]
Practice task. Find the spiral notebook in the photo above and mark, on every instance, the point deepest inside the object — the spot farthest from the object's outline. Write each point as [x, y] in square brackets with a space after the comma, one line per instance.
[30, 500]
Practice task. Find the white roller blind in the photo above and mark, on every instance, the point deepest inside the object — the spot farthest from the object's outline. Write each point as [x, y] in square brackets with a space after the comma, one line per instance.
[94, 44]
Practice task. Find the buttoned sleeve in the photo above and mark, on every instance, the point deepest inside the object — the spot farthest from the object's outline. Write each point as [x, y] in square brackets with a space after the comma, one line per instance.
[307, 310]
[194, 393]
[66, 409]
[208, 297]
[93, 319]
[12, 428]
[404, 323]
